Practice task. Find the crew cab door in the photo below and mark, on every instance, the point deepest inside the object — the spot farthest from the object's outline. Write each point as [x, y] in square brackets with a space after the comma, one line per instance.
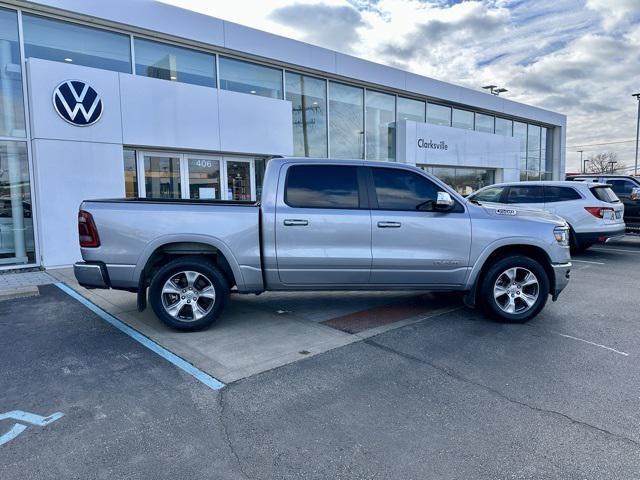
[411, 243]
[323, 226]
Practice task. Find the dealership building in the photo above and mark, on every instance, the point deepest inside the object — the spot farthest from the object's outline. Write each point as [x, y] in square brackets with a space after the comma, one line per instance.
[138, 98]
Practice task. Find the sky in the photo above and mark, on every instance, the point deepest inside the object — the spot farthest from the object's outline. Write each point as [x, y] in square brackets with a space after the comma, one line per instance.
[577, 57]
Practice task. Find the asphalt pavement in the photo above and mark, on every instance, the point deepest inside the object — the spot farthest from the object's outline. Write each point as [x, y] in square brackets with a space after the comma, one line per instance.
[454, 396]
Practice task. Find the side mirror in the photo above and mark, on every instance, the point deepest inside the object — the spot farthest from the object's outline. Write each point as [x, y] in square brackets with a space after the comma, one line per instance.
[444, 202]
[635, 193]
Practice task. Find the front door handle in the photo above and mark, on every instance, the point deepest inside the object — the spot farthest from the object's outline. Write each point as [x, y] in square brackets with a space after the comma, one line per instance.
[389, 224]
[296, 222]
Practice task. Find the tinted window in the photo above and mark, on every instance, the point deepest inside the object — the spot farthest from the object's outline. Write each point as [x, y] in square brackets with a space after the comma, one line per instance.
[605, 194]
[621, 187]
[560, 194]
[322, 186]
[403, 190]
[491, 194]
[11, 101]
[168, 62]
[76, 44]
[525, 194]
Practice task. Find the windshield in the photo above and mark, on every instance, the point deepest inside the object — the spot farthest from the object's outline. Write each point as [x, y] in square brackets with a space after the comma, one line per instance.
[489, 194]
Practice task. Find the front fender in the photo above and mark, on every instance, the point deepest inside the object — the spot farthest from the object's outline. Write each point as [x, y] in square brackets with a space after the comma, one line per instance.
[497, 244]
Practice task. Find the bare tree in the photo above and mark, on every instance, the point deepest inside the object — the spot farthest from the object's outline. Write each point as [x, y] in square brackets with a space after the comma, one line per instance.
[606, 162]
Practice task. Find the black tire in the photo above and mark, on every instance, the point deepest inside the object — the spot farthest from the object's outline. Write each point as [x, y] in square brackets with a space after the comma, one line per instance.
[210, 309]
[575, 245]
[490, 304]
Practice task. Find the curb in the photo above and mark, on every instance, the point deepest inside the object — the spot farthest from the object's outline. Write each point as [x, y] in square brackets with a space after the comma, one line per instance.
[19, 292]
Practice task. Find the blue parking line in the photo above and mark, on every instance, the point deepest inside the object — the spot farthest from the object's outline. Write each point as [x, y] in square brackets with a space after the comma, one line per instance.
[182, 364]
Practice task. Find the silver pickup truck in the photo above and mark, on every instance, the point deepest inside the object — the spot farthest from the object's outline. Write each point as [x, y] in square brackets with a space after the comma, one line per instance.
[324, 225]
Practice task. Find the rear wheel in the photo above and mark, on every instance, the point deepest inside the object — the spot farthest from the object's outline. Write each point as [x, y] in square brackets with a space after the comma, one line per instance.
[514, 289]
[188, 293]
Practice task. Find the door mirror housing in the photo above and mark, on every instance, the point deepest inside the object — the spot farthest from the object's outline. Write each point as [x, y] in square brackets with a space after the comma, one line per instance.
[635, 193]
[444, 203]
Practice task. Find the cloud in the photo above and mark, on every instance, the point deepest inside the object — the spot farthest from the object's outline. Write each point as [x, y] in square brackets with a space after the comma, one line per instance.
[577, 57]
[332, 26]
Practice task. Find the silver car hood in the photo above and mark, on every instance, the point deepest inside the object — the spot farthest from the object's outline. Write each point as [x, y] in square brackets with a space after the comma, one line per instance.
[515, 211]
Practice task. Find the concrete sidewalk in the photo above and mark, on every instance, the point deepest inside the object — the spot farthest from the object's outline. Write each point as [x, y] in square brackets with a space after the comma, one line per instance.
[259, 333]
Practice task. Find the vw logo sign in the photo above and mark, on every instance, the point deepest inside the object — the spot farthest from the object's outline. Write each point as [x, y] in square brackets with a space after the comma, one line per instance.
[77, 103]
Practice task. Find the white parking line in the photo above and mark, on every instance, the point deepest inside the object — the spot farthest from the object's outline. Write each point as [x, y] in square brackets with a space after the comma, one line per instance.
[614, 250]
[591, 343]
[586, 261]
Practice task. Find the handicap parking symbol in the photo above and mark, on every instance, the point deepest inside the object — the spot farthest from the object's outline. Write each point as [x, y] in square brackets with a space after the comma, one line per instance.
[25, 417]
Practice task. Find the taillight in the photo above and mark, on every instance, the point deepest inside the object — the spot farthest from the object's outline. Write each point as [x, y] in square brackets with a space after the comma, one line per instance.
[87, 230]
[599, 211]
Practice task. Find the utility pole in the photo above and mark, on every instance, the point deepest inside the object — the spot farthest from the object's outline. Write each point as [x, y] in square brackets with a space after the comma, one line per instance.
[635, 168]
[584, 164]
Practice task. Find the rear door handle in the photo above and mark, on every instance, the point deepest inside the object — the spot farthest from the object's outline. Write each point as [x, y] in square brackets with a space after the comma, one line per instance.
[296, 222]
[389, 224]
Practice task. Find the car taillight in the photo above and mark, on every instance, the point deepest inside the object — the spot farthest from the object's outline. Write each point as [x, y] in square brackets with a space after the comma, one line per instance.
[598, 211]
[87, 230]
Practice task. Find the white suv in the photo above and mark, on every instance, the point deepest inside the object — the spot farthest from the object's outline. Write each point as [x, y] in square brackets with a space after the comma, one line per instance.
[592, 210]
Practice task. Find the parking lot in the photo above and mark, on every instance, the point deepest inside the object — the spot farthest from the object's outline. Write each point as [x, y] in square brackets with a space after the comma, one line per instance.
[398, 386]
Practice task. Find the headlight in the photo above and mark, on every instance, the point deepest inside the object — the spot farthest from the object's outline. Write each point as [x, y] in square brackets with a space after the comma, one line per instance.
[562, 235]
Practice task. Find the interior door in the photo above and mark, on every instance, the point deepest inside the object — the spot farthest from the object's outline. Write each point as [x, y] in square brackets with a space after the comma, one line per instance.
[323, 227]
[240, 179]
[411, 243]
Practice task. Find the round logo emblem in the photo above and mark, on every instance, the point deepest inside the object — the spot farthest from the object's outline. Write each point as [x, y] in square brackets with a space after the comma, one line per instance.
[77, 103]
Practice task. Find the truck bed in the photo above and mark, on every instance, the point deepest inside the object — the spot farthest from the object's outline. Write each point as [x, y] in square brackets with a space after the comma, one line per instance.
[131, 229]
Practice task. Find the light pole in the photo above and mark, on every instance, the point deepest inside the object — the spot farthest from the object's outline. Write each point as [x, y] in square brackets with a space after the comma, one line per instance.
[495, 90]
[635, 168]
[584, 164]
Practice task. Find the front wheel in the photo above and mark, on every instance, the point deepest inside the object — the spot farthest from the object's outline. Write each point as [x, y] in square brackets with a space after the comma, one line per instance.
[514, 289]
[188, 293]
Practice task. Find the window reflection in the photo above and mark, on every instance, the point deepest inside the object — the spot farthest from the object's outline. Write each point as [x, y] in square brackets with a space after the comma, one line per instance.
[76, 44]
[168, 62]
[484, 123]
[162, 176]
[464, 180]
[409, 109]
[16, 221]
[380, 131]
[462, 119]
[11, 100]
[130, 173]
[438, 114]
[245, 77]
[346, 121]
[308, 97]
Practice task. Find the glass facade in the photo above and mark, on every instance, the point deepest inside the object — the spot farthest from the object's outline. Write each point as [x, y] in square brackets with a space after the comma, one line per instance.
[161, 60]
[162, 176]
[308, 97]
[504, 126]
[12, 123]
[16, 220]
[130, 173]
[409, 109]
[204, 178]
[245, 77]
[346, 121]
[380, 132]
[520, 132]
[464, 180]
[439, 114]
[484, 123]
[76, 44]
[462, 119]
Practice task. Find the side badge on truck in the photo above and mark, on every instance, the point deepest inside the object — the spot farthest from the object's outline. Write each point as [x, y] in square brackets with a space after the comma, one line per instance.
[506, 211]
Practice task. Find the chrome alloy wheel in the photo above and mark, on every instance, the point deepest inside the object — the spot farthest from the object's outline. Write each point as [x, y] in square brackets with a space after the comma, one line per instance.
[188, 296]
[516, 290]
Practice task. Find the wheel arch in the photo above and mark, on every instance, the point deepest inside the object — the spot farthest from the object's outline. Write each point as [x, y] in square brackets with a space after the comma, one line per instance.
[490, 256]
[169, 247]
